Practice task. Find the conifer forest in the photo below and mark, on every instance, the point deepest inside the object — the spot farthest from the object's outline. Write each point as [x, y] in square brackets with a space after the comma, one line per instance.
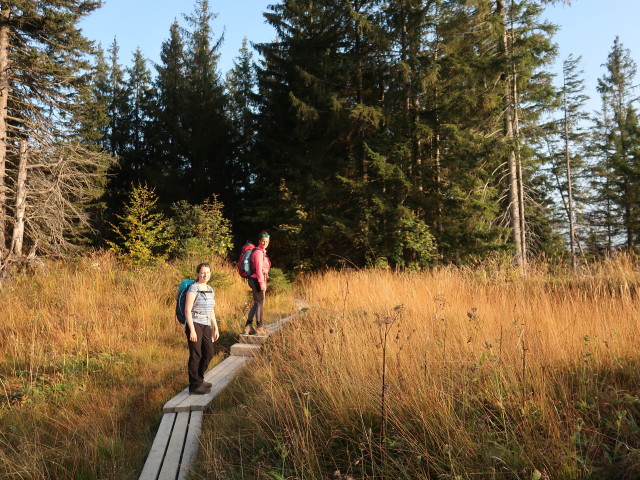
[404, 133]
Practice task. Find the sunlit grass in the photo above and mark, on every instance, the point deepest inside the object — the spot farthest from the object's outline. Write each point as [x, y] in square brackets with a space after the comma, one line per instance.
[488, 375]
[90, 351]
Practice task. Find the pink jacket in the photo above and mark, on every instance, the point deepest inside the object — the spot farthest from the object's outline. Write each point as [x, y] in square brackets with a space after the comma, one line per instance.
[261, 265]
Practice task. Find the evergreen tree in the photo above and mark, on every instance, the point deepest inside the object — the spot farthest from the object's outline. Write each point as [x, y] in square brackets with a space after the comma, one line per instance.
[142, 234]
[602, 216]
[619, 161]
[130, 107]
[475, 85]
[207, 127]
[567, 143]
[168, 136]
[93, 126]
[324, 136]
[94, 102]
[201, 230]
[524, 48]
[135, 158]
[459, 110]
[241, 85]
[116, 91]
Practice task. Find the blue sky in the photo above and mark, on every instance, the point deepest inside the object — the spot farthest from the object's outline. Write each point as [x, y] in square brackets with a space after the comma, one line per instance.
[145, 24]
[587, 28]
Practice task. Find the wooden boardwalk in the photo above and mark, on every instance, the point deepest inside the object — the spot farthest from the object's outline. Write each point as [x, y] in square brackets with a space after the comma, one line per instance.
[176, 443]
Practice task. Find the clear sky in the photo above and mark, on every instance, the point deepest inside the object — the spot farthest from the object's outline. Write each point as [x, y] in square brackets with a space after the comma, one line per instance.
[145, 24]
[587, 28]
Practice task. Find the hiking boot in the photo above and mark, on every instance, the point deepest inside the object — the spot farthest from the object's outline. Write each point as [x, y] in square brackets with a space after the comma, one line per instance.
[206, 385]
[261, 330]
[201, 390]
[247, 329]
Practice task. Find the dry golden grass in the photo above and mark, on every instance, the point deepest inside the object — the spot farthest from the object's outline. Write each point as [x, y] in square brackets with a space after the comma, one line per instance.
[90, 351]
[488, 375]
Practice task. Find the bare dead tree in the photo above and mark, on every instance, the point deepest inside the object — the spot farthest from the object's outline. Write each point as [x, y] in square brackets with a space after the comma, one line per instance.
[47, 170]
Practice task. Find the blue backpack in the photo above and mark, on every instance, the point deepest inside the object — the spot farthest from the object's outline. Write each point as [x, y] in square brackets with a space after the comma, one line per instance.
[181, 298]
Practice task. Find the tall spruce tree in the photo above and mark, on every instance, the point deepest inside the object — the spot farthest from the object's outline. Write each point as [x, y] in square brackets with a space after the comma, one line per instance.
[524, 48]
[134, 159]
[459, 108]
[207, 127]
[168, 136]
[330, 159]
[241, 83]
[479, 108]
[139, 92]
[130, 108]
[567, 145]
[118, 103]
[619, 160]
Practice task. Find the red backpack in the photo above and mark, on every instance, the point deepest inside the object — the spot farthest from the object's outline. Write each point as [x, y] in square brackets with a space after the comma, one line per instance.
[245, 268]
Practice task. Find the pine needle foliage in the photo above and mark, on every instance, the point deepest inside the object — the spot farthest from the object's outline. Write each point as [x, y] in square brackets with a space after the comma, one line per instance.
[142, 234]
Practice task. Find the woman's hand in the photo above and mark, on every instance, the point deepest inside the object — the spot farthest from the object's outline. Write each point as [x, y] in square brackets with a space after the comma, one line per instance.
[192, 335]
[214, 327]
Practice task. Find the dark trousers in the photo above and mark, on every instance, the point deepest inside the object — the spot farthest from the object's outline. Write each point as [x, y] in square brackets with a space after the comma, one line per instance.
[200, 354]
[258, 303]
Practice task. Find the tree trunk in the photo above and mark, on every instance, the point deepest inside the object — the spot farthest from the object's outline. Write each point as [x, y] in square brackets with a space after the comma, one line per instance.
[516, 136]
[567, 157]
[4, 97]
[436, 152]
[512, 161]
[609, 223]
[21, 202]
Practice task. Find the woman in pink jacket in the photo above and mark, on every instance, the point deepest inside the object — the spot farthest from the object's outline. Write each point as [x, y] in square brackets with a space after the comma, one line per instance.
[258, 282]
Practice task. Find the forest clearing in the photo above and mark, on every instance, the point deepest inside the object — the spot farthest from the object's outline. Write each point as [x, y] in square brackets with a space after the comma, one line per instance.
[487, 374]
[459, 223]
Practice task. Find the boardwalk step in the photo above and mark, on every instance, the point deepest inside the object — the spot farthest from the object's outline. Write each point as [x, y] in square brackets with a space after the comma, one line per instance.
[176, 442]
[220, 376]
[253, 339]
[245, 350]
[174, 447]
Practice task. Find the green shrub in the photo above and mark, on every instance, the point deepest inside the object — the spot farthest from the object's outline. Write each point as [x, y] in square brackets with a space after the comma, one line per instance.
[279, 281]
[142, 234]
[201, 230]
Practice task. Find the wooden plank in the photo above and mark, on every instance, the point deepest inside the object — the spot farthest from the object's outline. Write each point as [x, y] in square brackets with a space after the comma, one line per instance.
[245, 350]
[223, 367]
[253, 339]
[200, 402]
[191, 444]
[185, 403]
[232, 364]
[158, 449]
[171, 462]
[175, 401]
[275, 326]
[183, 396]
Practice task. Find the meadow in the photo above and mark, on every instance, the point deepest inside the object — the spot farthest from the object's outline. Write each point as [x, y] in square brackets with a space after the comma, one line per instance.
[90, 350]
[449, 373]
